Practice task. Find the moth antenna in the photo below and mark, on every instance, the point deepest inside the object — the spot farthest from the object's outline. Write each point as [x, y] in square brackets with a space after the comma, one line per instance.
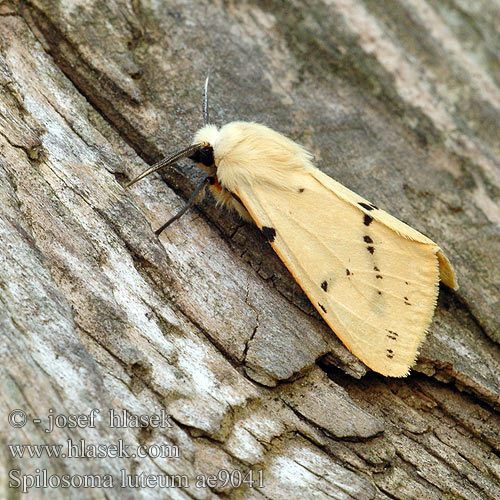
[165, 162]
[206, 115]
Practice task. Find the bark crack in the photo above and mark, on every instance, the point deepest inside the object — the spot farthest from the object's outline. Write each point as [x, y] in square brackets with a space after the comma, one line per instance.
[257, 323]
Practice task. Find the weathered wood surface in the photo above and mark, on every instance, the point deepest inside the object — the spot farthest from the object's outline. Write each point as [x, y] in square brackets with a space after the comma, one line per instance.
[399, 101]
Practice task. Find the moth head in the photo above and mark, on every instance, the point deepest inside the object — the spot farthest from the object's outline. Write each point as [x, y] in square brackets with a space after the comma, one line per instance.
[205, 137]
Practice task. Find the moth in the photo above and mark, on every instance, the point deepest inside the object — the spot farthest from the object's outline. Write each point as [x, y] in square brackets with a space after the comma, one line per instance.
[372, 278]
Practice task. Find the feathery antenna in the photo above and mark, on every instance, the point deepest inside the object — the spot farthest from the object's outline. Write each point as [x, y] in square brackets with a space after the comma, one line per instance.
[167, 161]
[206, 116]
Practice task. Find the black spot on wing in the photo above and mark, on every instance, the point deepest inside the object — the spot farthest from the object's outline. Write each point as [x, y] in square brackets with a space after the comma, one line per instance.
[379, 277]
[375, 268]
[348, 272]
[379, 292]
[301, 190]
[371, 249]
[365, 206]
[269, 233]
[374, 206]
[367, 220]
[367, 239]
[392, 335]
[390, 353]
[324, 285]
[322, 307]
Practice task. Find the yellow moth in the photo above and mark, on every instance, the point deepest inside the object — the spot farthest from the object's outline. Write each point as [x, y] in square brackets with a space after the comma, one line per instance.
[372, 278]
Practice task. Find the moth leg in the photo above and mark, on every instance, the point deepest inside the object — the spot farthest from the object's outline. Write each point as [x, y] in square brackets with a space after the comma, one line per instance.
[189, 204]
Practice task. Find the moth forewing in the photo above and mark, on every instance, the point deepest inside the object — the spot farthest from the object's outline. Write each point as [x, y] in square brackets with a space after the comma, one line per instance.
[375, 288]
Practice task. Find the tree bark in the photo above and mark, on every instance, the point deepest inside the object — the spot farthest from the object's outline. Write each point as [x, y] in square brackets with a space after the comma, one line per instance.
[205, 327]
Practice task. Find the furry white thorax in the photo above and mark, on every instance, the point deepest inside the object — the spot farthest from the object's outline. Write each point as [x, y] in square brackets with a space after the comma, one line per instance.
[246, 152]
[206, 135]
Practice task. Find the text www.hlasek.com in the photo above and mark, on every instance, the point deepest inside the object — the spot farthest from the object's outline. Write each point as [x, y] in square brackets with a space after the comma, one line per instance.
[81, 449]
